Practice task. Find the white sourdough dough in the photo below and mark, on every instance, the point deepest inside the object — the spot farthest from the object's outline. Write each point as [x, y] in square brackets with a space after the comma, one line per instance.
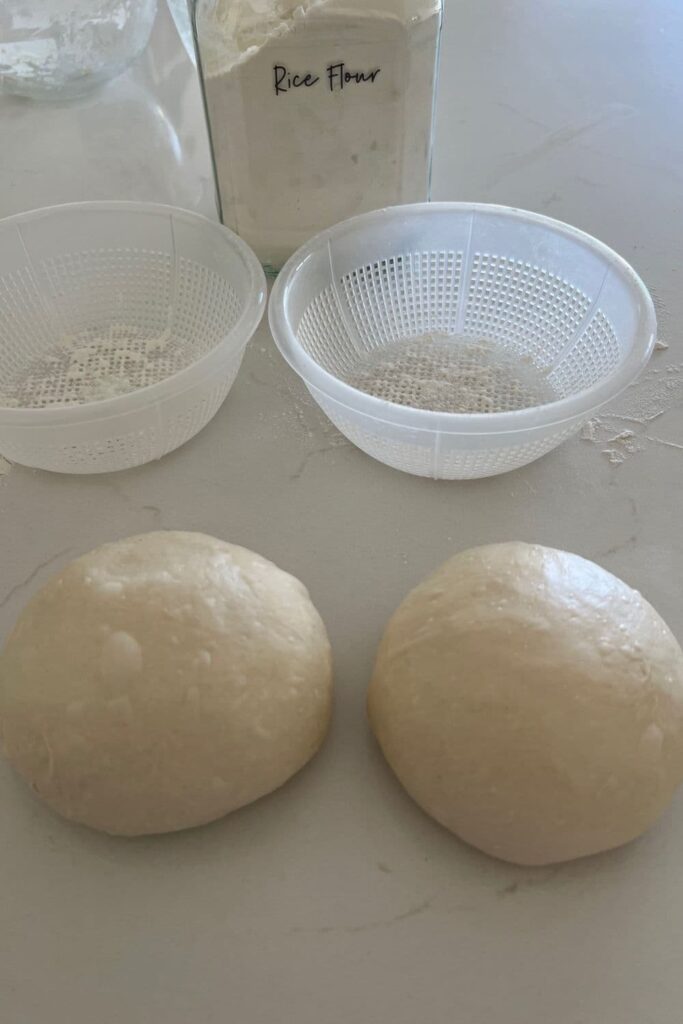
[532, 703]
[162, 681]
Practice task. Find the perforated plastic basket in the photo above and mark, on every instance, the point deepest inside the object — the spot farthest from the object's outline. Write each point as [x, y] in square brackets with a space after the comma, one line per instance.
[122, 329]
[460, 340]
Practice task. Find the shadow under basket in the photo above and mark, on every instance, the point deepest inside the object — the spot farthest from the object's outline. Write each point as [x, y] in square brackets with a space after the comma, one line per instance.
[456, 340]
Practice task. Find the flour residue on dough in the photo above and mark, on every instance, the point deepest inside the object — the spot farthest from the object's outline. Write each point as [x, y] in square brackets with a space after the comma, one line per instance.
[636, 421]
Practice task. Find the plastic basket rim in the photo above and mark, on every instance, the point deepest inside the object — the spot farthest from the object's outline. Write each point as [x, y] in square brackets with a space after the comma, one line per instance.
[230, 346]
[552, 414]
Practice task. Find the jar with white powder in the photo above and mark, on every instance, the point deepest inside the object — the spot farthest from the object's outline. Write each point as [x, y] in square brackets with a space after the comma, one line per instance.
[317, 110]
[58, 49]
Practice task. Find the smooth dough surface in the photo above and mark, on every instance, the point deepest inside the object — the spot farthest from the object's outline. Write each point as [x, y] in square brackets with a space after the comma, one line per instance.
[160, 682]
[532, 703]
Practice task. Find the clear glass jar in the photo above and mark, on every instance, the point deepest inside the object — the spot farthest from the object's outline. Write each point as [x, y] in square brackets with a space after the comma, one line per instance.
[317, 110]
[57, 49]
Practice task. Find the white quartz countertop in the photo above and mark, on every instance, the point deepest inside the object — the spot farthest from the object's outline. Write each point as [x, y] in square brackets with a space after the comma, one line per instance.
[335, 900]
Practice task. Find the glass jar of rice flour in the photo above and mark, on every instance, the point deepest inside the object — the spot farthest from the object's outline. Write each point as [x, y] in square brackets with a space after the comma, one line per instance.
[317, 110]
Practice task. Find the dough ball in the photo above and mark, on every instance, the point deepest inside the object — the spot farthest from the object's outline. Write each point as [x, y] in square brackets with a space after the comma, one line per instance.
[532, 703]
[162, 681]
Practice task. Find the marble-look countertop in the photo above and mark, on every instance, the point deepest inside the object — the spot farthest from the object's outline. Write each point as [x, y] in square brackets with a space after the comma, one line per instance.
[335, 900]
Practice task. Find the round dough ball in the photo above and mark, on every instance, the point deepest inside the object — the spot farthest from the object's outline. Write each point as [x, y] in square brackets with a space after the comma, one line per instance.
[532, 703]
[162, 681]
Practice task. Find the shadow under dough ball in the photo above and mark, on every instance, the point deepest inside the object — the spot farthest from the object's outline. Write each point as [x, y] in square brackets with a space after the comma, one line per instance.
[532, 703]
[160, 682]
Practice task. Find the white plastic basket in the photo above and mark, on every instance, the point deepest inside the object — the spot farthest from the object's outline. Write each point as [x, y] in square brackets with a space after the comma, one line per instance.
[122, 329]
[458, 340]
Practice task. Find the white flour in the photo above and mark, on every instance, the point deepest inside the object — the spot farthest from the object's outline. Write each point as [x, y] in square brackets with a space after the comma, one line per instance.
[318, 110]
[60, 48]
[637, 420]
[94, 365]
[445, 374]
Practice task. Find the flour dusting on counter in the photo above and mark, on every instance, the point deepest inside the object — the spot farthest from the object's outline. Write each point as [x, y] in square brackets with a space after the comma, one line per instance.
[631, 424]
